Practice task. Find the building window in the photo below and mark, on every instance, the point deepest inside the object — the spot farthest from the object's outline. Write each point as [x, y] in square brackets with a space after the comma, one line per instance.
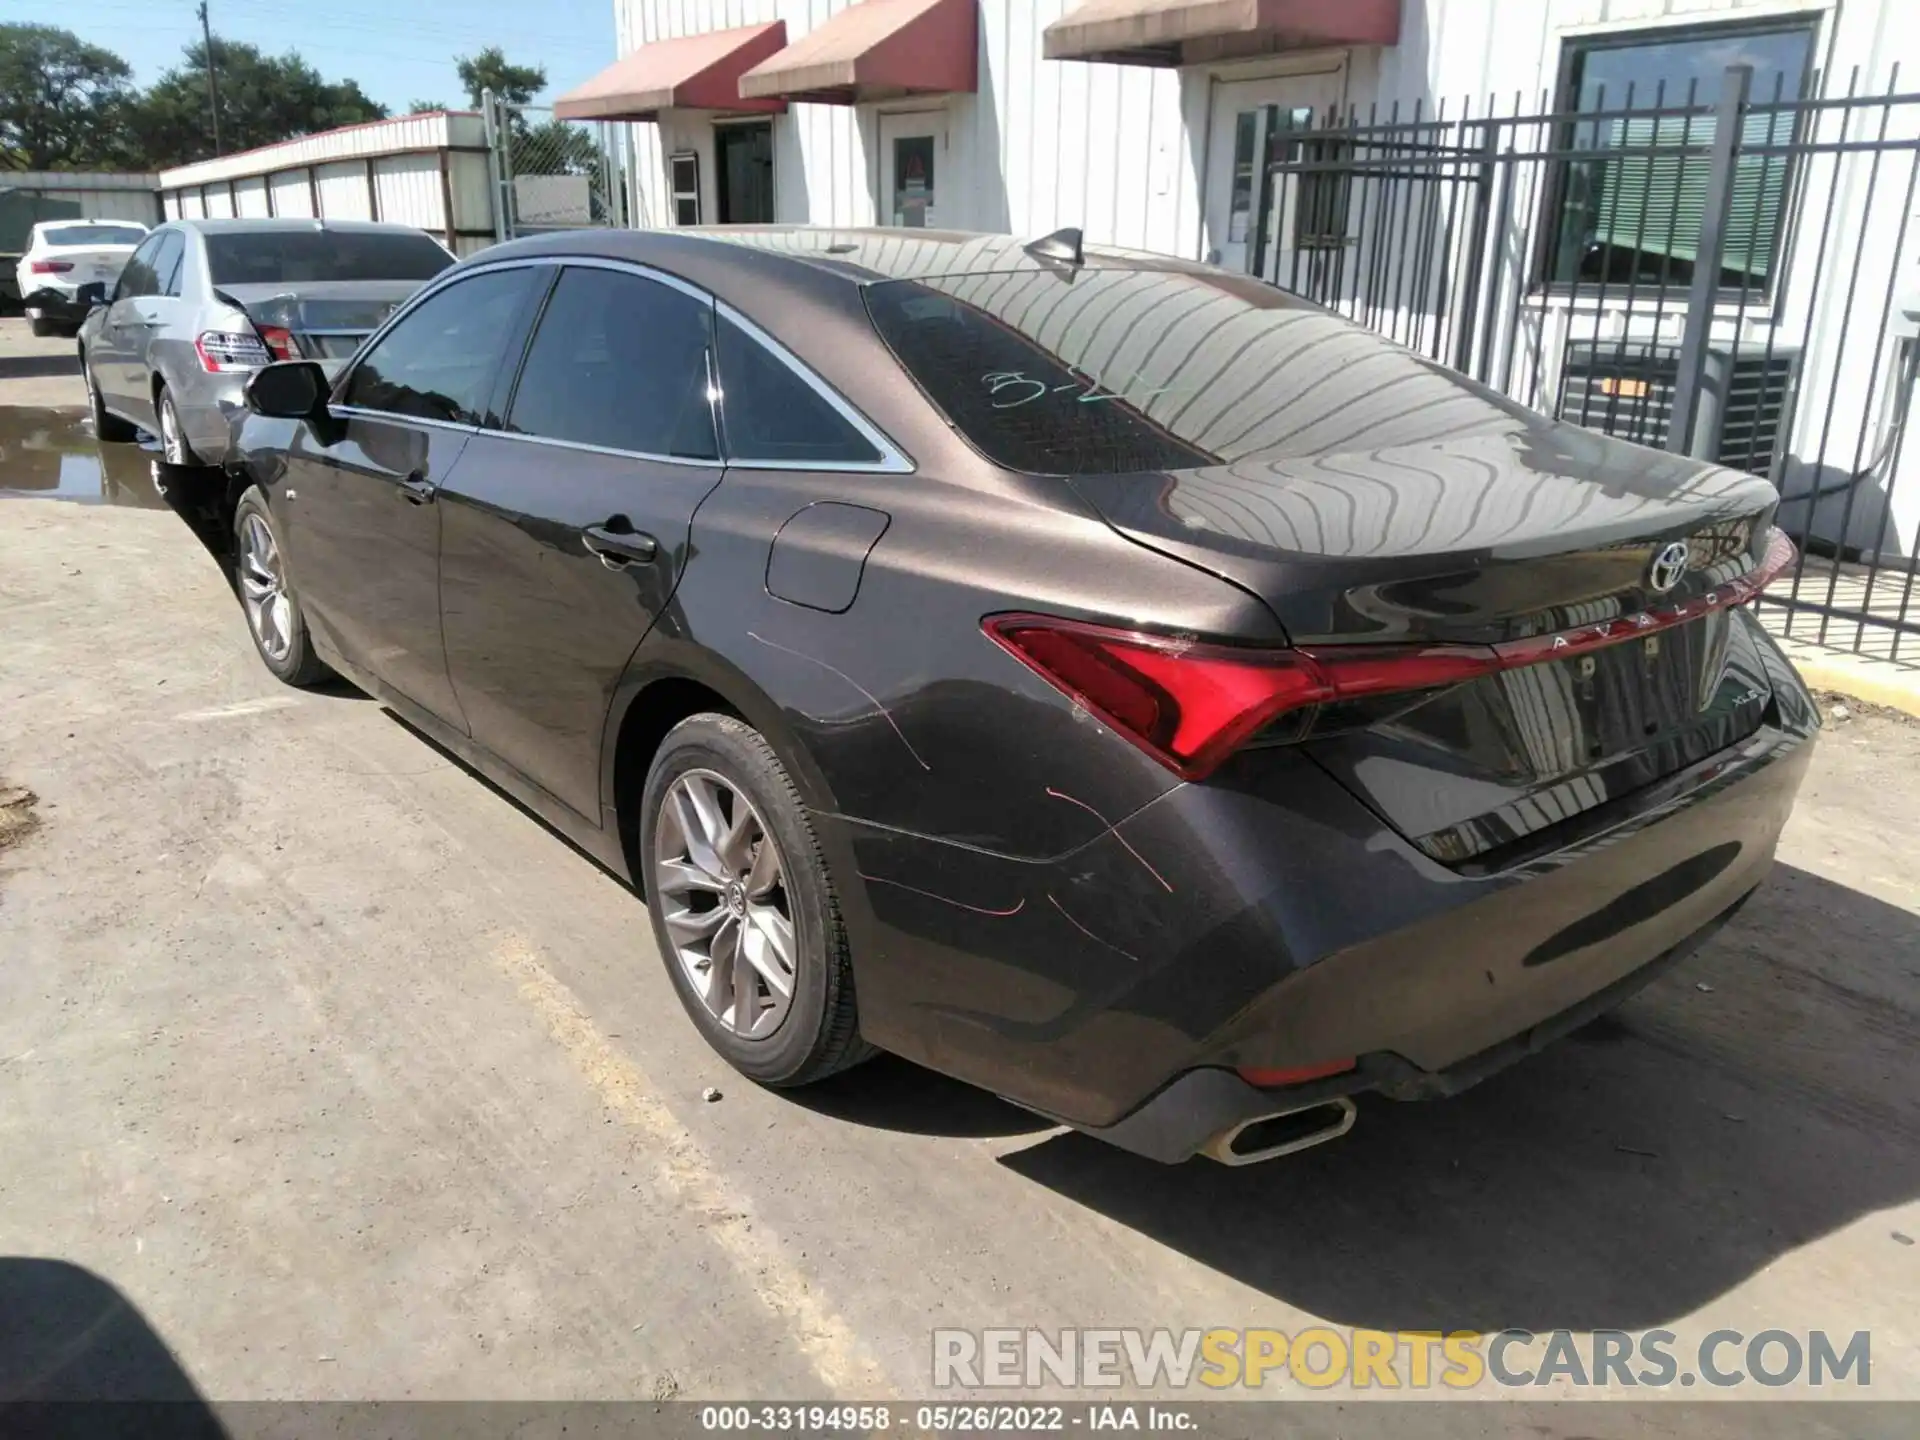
[1634, 218]
[684, 173]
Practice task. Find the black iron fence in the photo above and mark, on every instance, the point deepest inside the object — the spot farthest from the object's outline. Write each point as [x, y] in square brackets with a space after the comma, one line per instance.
[1730, 275]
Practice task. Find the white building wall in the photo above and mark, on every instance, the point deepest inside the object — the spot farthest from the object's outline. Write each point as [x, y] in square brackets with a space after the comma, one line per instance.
[250, 195]
[1119, 149]
[1042, 144]
[409, 186]
[344, 192]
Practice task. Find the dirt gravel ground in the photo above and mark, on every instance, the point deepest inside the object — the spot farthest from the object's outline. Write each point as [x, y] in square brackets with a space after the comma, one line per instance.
[357, 1082]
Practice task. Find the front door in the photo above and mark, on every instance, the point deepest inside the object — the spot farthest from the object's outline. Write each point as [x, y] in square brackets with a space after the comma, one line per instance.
[912, 151]
[743, 172]
[567, 527]
[361, 519]
[1246, 114]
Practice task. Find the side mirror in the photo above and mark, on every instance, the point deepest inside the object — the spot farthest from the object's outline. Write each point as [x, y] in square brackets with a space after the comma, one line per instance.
[93, 294]
[289, 390]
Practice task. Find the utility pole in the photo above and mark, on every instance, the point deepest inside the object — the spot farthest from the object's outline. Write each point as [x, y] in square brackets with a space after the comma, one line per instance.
[213, 85]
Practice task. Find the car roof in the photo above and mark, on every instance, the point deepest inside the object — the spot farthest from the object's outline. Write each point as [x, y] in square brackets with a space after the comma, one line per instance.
[71, 222]
[260, 224]
[860, 255]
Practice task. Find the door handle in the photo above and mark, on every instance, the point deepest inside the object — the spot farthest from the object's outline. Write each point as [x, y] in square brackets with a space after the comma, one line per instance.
[416, 490]
[619, 548]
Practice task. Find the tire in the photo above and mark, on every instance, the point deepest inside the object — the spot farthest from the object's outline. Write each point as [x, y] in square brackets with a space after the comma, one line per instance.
[42, 327]
[274, 620]
[817, 1032]
[174, 445]
[106, 427]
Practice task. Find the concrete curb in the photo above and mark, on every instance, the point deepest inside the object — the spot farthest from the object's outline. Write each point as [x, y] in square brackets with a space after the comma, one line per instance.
[1897, 687]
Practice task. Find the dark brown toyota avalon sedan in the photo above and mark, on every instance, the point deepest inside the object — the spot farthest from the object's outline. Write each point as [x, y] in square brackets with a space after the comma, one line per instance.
[1108, 680]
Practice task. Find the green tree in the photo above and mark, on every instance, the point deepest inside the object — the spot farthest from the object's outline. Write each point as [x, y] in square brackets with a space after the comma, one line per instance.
[425, 107]
[555, 148]
[63, 101]
[490, 70]
[263, 99]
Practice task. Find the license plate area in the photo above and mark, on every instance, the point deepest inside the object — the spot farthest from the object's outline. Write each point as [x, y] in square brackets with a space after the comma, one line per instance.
[1476, 768]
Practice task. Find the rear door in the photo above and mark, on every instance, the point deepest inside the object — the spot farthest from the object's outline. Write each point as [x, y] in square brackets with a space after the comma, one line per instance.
[360, 512]
[566, 527]
[118, 343]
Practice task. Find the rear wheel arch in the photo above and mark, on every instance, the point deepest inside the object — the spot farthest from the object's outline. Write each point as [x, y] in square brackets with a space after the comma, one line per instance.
[657, 695]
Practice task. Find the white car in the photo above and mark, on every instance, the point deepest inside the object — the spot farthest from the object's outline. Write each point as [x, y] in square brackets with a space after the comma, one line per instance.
[63, 255]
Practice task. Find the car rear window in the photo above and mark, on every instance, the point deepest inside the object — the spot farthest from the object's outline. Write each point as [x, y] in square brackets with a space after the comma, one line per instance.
[94, 235]
[1096, 371]
[289, 257]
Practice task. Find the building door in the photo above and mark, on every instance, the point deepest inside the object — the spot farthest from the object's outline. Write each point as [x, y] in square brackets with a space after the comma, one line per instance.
[1244, 114]
[913, 152]
[743, 172]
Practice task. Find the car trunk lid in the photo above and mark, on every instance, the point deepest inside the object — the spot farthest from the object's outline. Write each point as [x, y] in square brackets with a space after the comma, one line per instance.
[1600, 575]
[84, 264]
[325, 319]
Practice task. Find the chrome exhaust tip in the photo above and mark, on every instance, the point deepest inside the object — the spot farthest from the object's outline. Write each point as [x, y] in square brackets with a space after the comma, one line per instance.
[1283, 1132]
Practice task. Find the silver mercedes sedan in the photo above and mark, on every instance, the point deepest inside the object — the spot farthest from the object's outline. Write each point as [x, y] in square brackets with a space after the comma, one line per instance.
[203, 304]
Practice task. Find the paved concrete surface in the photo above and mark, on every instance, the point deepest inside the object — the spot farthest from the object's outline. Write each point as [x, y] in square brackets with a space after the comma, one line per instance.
[357, 1082]
[43, 371]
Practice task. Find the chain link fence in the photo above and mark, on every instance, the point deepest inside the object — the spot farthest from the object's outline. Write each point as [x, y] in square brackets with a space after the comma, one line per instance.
[551, 174]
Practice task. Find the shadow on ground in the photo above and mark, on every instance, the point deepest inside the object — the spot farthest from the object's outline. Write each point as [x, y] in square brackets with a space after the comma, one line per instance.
[68, 1336]
[888, 1093]
[1625, 1177]
[38, 367]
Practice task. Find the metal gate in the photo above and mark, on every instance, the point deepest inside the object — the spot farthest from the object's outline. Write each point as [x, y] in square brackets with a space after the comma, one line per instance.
[1724, 274]
[548, 173]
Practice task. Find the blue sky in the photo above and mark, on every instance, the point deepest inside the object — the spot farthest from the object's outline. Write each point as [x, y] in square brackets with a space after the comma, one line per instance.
[399, 50]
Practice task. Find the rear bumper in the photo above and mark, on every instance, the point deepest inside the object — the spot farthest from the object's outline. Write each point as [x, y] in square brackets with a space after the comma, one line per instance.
[1190, 1115]
[211, 408]
[50, 302]
[1268, 920]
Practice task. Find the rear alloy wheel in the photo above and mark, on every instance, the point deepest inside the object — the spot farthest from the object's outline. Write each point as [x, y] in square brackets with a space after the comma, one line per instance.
[173, 439]
[273, 612]
[743, 911]
[106, 426]
[723, 893]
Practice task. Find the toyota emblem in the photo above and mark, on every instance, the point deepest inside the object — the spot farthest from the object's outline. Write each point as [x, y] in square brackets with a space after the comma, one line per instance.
[1669, 567]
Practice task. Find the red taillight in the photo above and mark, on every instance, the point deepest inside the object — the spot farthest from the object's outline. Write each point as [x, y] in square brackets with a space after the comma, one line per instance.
[50, 267]
[1190, 705]
[280, 341]
[1270, 1078]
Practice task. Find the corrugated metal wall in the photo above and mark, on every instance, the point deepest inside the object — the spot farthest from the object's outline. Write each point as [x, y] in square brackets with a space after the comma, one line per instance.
[389, 170]
[1043, 144]
[1121, 150]
[100, 195]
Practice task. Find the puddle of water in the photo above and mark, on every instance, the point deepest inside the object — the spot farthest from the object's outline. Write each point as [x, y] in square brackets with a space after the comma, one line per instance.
[52, 455]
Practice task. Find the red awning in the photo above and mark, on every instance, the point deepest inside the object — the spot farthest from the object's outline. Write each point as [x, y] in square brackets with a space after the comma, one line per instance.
[694, 72]
[1189, 32]
[876, 50]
